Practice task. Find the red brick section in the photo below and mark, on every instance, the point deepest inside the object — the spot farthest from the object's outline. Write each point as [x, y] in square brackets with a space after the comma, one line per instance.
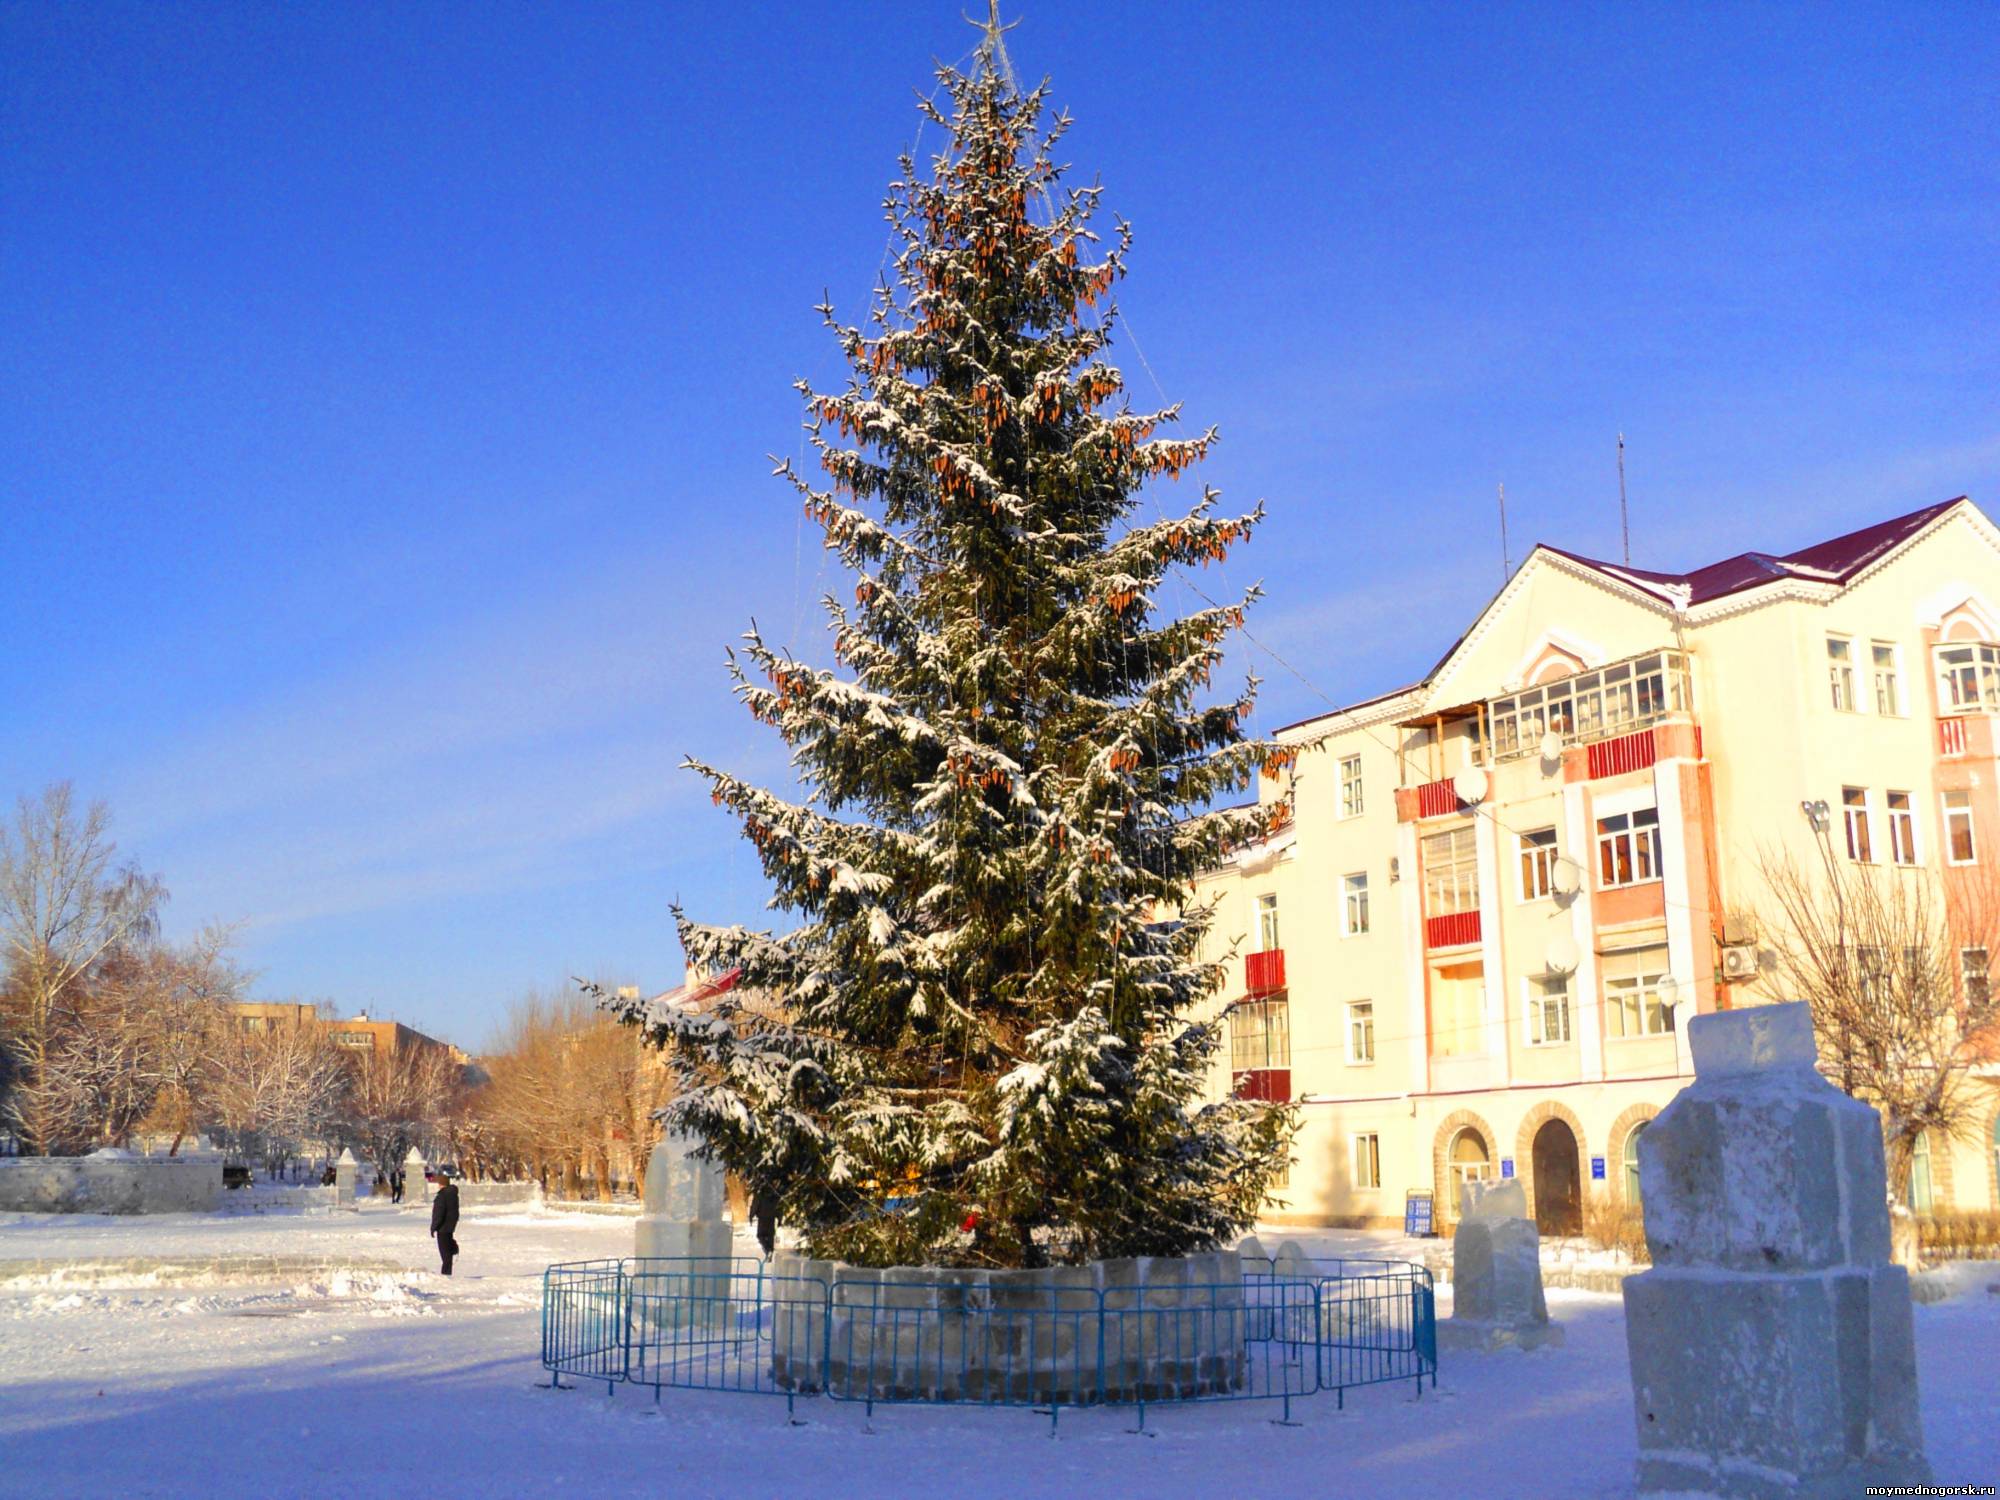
[1453, 930]
[1264, 973]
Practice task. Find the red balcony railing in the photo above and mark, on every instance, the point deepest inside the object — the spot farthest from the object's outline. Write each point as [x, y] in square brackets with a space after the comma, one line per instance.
[1453, 930]
[1951, 736]
[1264, 973]
[1629, 752]
[1270, 1085]
[1437, 799]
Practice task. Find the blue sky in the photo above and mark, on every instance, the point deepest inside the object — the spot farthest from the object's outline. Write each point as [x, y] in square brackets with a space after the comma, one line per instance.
[385, 391]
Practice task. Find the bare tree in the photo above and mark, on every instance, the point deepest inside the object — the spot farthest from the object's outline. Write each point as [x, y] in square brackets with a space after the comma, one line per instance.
[1893, 962]
[396, 1100]
[273, 1095]
[566, 1088]
[64, 909]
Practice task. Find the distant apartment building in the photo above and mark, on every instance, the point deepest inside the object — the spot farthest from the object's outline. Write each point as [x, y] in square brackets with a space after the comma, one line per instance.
[358, 1034]
[1474, 949]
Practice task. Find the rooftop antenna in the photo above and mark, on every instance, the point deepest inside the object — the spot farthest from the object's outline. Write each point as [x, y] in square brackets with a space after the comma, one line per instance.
[1624, 519]
[993, 51]
[1506, 559]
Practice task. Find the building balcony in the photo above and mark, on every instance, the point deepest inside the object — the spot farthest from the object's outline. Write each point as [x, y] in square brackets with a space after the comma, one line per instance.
[1607, 703]
[1629, 752]
[1266, 1085]
[1456, 929]
[1263, 973]
[1951, 737]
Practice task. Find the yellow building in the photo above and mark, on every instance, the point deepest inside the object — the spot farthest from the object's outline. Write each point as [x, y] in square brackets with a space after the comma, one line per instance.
[1473, 950]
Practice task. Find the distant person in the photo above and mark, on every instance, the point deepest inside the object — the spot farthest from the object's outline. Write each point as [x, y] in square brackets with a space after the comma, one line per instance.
[396, 1186]
[764, 1211]
[444, 1220]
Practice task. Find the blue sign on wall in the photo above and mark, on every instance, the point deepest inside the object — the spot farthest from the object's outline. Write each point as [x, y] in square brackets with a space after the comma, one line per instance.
[1506, 1166]
[1417, 1214]
[1597, 1169]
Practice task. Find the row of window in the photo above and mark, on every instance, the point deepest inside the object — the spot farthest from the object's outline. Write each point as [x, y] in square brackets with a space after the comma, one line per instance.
[1857, 806]
[1968, 677]
[1595, 705]
[1638, 1002]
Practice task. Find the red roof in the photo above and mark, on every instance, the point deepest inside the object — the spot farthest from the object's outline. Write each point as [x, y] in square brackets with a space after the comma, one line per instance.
[1833, 561]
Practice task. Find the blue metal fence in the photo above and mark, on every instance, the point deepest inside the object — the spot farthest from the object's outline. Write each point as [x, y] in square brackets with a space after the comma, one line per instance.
[729, 1325]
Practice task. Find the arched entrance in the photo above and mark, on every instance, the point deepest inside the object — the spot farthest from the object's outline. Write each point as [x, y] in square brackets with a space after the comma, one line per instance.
[1558, 1180]
[1468, 1162]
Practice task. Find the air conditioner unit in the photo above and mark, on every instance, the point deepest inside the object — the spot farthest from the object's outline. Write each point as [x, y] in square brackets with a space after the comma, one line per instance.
[1739, 961]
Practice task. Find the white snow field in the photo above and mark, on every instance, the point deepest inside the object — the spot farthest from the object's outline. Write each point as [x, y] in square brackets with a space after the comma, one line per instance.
[277, 1372]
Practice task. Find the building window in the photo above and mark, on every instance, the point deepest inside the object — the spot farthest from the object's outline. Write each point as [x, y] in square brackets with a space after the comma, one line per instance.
[1921, 1201]
[1466, 1161]
[1628, 847]
[1840, 672]
[1458, 1009]
[1972, 974]
[1538, 863]
[1367, 1160]
[1451, 873]
[1958, 845]
[353, 1039]
[1267, 922]
[1593, 705]
[1548, 1010]
[1635, 993]
[1632, 1195]
[1354, 905]
[1260, 1035]
[1854, 807]
[1351, 797]
[1888, 678]
[1902, 829]
[1361, 1031]
[1969, 678]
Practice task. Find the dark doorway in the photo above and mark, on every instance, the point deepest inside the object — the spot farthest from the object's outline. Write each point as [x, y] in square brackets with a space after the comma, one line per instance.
[1558, 1180]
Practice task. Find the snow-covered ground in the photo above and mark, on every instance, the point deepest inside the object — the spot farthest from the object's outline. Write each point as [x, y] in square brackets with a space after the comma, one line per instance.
[387, 1379]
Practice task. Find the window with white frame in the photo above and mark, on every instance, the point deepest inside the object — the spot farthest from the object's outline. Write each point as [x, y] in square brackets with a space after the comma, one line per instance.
[1959, 848]
[1887, 659]
[1352, 799]
[1840, 672]
[1538, 863]
[1361, 1031]
[1636, 995]
[1451, 872]
[1367, 1160]
[1267, 922]
[1628, 847]
[1854, 808]
[1902, 829]
[1354, 904]
[1972, 972]
[1548, 1010]
[1969, 678]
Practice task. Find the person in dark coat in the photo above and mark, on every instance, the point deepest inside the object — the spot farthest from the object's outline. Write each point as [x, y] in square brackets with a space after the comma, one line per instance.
[396, 1186]
[444, 1220]
[764, 1211]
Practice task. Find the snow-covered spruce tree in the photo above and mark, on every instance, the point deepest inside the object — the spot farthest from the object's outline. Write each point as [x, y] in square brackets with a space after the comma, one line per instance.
[988, 1013]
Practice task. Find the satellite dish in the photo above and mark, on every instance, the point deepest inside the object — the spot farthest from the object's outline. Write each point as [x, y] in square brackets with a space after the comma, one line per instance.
[1668, 989]
[1567, 877]
[1552, 747]
[1470, 784]
[1562, 957]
